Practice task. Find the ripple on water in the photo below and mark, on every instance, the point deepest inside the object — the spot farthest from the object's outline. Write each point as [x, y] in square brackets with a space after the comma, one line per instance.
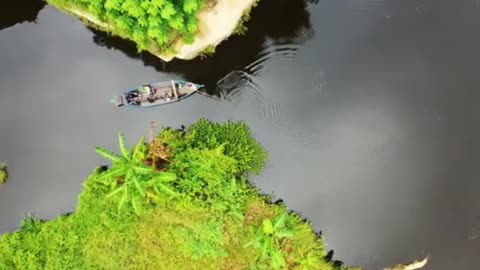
[241, 83]
[234, 83]
[366, 7]
[272, 52]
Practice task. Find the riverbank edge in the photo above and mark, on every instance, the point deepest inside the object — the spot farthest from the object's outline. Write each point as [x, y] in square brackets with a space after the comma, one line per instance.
[215, 24]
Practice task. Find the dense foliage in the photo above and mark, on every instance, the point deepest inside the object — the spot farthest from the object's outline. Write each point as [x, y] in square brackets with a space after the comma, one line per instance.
[211, 219]
[149, 23]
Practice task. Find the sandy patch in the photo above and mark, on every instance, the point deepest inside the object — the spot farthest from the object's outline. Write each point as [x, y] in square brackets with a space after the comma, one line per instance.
[215, 25]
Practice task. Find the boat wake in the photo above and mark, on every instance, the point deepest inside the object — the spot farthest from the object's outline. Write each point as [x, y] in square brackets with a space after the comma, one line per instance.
[238, 82]
[271, 53]
[233, 84]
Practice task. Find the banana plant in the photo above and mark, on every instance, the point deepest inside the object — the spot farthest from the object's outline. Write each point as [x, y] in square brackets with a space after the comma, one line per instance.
[269, 239]
[130, 178]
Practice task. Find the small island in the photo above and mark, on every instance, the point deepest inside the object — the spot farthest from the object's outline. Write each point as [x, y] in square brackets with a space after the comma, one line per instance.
[180, 201]
[167, 29]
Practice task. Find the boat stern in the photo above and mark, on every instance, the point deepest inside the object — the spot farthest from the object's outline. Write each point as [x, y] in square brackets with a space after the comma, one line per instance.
[118, 101]
[190, 85]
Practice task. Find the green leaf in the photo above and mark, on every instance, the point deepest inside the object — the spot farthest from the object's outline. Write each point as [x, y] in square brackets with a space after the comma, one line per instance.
[164, 176]
[284, 233]
[162, 186]
[126, 153]
[136, 206]
[267, 226]
[176, 22]
[122, 200]
[280, 222]
[109, 154]
[168, 11]
[278, 261]
[142, 169]
[190, 6]
[158, 3]
[115, 191]
[153, 195]
[137, 185]
[113, 5]
[264, 249]
[138, 148]
[112, 172]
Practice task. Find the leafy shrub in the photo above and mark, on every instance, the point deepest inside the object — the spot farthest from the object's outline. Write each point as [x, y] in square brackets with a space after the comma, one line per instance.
[210, 160]
[236, 139]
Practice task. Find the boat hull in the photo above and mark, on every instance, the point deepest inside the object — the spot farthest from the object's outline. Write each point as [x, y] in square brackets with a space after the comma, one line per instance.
[156, 94]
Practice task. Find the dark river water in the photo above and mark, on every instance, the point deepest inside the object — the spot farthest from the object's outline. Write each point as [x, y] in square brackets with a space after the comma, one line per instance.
[369, 110]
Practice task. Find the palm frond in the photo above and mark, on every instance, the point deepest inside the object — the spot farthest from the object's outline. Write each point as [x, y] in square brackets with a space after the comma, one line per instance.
[137, 185]
[280, 222]
[162, 186]
[164, 176]
[123, 199]
[122, 143]
[112, 172]
[137, 206]
[138, 147]
[142, 169]
[109, 154]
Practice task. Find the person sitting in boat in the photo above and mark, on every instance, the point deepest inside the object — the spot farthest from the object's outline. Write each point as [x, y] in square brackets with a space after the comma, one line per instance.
[151, 99]
[144, 89]
[133, 98]
[147, 90]
[168, 95]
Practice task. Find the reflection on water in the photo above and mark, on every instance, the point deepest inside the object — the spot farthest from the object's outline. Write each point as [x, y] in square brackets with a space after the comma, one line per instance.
[18, 11]
[371, 125]
[276, 30]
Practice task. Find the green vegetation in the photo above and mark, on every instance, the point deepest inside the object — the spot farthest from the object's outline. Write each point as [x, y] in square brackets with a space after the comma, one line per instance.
[155, 24]
[208, 51]
[182, 201]
[241, 29]
[3, 172]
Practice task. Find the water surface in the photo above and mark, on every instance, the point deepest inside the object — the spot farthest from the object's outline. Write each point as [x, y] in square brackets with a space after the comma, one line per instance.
[368, 108]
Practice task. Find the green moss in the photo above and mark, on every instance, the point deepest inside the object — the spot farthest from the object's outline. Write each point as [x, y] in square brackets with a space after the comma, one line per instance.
[212, 218]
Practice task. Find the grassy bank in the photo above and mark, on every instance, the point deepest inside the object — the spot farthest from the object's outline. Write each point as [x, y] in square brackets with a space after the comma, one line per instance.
[182, 201]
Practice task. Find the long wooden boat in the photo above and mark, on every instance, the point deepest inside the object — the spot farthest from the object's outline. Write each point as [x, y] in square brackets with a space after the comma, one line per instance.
[159, 93]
